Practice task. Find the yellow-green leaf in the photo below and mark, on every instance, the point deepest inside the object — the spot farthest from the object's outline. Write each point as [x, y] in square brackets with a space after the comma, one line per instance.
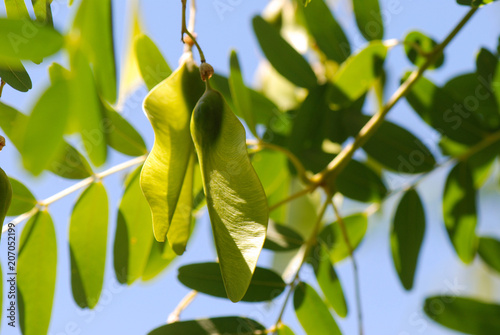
[489, 250]
[16, 9]
[134, 237]
[5, 195]
[23, 39]
[88, 233]
[43, 11]
[93, 30]
[169, 106]
[236, 201]
[369, 19]
[36, 274]
[40, 146]
[460, 213]
[312, 312]
[153, 67]
[160, 256]
[22, 199]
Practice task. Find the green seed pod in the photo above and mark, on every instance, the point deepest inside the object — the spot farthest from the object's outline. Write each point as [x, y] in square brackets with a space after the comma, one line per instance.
[5, 195]
[236, 201]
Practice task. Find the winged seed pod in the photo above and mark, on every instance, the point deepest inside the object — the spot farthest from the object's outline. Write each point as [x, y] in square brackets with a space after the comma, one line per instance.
[236, 201]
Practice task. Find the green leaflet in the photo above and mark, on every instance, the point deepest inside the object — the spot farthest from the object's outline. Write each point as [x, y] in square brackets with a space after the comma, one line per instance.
[160, 256]
[489, 249]
[240, 93]
[236, 201]
[36, 274]
[282, 238]
[93, 29]
[40, 147]
[43, 42]
[326, 31]
[43, 11]
[169, 106]
[328, 280]
[407, 154]
[88, 233]
[460, 213]
[17, 77]
[282, 56]
[312, 312]
[284, 330]
[332, 239]
[407, 234]
[206, 278]
[152, 65]
[22, 199]
[68, 163]
[5, 195]
[359, 182]
[121, 135]
[133, 238]
[415, 44]
[465, 315]
[16, 9]
[224, 325]
[369, 19]
[357, 74]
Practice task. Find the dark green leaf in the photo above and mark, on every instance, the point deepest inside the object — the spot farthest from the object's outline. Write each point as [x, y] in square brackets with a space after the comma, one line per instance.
[332, 238]
[133, 238]
[357, 74]
[369, 19]
[282, 238]
[459, 211]
[418, 46]
[22, 199]
[359, 182]
[88, 233]
[326, 31]
[225, 325]
[312, 312]
[206, 278]
[93, 27]
[17, 77]
[121, 135]
[464, 314]
[407, 234]
[328, 280]
[5, 195]
[489, 250]
[393, 146]
[282, 56]
[240, 94]
[475, 3]
[36, 274]
[445, 114]
[153, 67]
[50, 112]
[23, 39]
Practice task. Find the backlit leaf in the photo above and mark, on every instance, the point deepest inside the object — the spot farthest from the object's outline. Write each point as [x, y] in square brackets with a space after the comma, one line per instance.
[88, 233]
[6, 195]
[36, 274]
[169, 106]
[224, 325]
[40, 147]
[153, 67]
[326, 31]
[93, 29]
[161, 255]
[465, 315]
[282, 238]
[22, 199]
[282, 56]
[332, 239]
[369, 19]
[312, 312]
[418, 46]
[43, 11]
[206, 278]
[489, 250]
[460, 213]
[16, 9]
[236, 200]
[134, 237]
[407, 234]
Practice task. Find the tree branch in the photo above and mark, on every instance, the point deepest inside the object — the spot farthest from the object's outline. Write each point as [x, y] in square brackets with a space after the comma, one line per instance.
[183, 304]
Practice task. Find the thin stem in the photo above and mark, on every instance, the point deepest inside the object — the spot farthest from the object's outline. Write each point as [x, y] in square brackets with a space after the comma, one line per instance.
[308, 246]
[357, 286]
[292, 197]
[183, 304]
[186, 31]
[78, 186]
[342, 159]
[2, 84]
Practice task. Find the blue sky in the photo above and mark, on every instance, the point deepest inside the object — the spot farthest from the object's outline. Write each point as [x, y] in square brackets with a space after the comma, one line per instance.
[387, 308]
